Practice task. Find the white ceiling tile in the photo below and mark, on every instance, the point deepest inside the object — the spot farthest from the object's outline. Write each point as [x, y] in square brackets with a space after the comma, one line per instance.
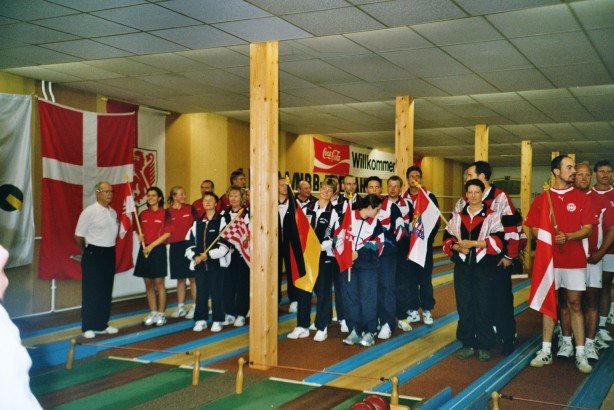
[10, 43]
[462, 84]
[467, 30]
[370, 67]
[480, 7]
[43, 73]
[32, 10]
[217, 57]
[496, 97]
[146, 17]
[399, 38]
[578, 75]
[595, 130]
[558, 105]
[603, 102]
[532, 95]
[280, 7]
[82, 71]
[216, 11]
[540, 20]
[336, 21]
[362, 92]
[517, 80]
[85, 25]
[125, 66]
[606, 89]
[196, 37]
[320, 96]
[31, 34]
[317, 72]
[6, 20]
[604, 42]
[403, 13]
[87, 49]
[290, 101]
[95, 5]
[557, 49]
[329, 46]
[37, 55]
[594, 14]
[220, 79]
[488, 56]
[263, 29]
[288, 81]
[426, 62]
[414, 87]
[170, 62]
[141, 43]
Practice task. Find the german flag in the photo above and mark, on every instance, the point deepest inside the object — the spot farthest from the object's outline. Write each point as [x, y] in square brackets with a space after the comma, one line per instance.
[304, 247]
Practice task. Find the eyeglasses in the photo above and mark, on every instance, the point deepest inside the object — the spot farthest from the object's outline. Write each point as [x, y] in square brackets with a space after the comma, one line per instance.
[107, 191]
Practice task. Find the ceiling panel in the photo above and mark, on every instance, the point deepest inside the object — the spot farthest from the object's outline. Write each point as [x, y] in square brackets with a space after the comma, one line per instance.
[329, 46]
[557, 49]
[32, 10]
[542, 20]
[361, 92]
[279, 7]
[216, 11]
[217, 57]
[125, 66]
[82, 71]
[196, 37]
[517, 80]
[87, 49]
[370, 67]
[488, 56]
[95, 5]
[578, 75]
[146, 17]
[426, 62]
[85, 25]
[41, 73]
[317, 72]
[602, 39]
[36, 55]
[402, 13]
[335, 21]
[399, 38]
[462, 84]
[263, 29]
[141, 43]
[170, 62]
[594, 14]
[31, 34]
[467, 30]
[479, 7]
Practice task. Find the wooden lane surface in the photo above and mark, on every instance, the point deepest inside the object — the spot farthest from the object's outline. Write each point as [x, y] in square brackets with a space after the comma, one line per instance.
[408, 355]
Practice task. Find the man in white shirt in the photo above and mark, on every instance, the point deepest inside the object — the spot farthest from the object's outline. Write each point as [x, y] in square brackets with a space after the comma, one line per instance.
[95, 235]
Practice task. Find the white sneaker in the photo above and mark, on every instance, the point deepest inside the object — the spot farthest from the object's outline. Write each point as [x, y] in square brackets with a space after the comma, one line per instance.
[367, 340]
[582, 364]
[352, 339]
[179, 312]
[110, 330]
[230, 319]
[150, 319]
[293, 307]
[216, 327]
[321, 335]
[199, 326]
[427, 318]
[384, 332]
[239, 322]
[604, 335]
[591, 351]
[404, 325]
[160, 319]
[190, 314]
[413, 316]
[313, 327]
[600, 344]
[566, 350]
[89, 334]
[541, 359]
[298, 333]
[610, 319]
[344, 327]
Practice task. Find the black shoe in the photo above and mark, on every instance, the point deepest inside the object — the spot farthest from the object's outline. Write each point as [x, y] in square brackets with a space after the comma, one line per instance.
[508, 348]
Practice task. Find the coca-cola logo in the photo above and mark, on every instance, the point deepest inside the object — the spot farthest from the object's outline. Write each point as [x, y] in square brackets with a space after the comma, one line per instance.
[331, 154]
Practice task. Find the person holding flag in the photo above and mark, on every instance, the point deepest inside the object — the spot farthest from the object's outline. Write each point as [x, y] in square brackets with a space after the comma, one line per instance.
[569, 211]
[473, 239]
[362, 238]
[424, 225]
[236, 277]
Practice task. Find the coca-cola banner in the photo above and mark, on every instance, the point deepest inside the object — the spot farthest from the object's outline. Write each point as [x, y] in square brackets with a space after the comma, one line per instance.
[331, 158]
[341, 159]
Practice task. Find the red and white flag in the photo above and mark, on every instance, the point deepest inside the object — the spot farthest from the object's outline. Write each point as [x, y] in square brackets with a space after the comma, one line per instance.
[79, 149]
[543, 296]
[129, 209]
[426, 215]
[343, 241]
[237, 233]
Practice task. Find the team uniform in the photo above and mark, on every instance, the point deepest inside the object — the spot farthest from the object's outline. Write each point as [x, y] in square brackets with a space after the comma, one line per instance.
[210, 273]
[305, 203]
[323, 220]
[499, 202]
[391, 219]
[572, 210]
[360, 293]
[154, 224]
[181, 220]
[474, 274]
[236, 277]
[421, 293]
[606, 197]
[99, 226]
[403, 274]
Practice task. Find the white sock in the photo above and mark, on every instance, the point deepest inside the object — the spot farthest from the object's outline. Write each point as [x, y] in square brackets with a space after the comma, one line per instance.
[567, 339]
[588, 341]
[547, 347]
[180, 305]
[579, 350]
[602, 320]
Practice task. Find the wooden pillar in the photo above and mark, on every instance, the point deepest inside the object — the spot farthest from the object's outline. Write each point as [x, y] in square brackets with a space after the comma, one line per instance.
[263, 134]
[481, 142]
[572, 156]
[526, 171]
[404, 134]
[553, 155]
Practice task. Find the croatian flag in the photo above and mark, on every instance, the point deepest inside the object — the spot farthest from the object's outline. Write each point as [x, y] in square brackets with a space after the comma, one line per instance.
[543, 297]
[79, 149]
[426, 215]
[238, 234]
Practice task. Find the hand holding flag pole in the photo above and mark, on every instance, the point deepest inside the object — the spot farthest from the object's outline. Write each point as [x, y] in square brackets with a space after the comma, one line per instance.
[552, 215]
[217, 238]
[136, 218]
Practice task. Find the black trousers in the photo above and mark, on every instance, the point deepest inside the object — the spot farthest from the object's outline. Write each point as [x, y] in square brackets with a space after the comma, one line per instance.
[503, 309]
[98, 267]
[403, 284]
[236, 287]
[284, 256]
[323, 290]
[473, 286]
[339, 308]
[421, 284]
[209, 282]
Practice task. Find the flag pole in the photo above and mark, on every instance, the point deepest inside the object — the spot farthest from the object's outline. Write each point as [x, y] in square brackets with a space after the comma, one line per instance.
[217, 238]
[350, 211]
[552, 215]
[136, 218]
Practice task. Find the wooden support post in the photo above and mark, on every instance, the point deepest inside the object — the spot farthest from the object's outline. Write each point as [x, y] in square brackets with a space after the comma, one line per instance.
[239, 381]
[526, 173]
[264, 159]
[572, 156]
[553, 155]
[404, 134]
[71, 354]
[481, 142]
[196, 369]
